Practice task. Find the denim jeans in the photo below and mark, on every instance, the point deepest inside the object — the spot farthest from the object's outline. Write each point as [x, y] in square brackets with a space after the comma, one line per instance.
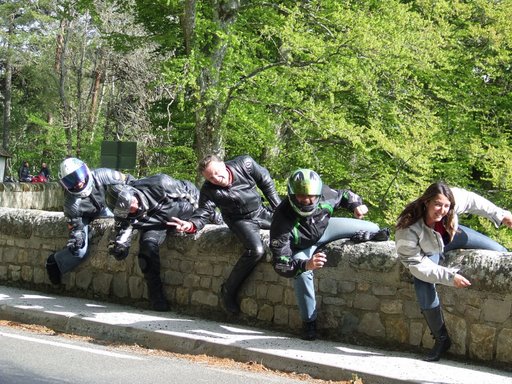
[338, 228]
[426, 293]
[465, 238]
[67, 260]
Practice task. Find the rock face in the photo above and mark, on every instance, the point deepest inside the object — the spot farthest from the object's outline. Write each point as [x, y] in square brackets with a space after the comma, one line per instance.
[363, 293]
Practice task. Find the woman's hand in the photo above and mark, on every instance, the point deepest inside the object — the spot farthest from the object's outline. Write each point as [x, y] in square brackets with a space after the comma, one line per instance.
[460, 281]
[316, 262]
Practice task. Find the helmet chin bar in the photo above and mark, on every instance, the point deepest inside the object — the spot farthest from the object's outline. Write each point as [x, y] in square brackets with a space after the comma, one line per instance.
[301, 209]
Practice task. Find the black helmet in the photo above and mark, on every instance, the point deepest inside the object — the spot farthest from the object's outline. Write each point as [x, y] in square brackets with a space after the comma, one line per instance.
[119, 199]
[304, 182]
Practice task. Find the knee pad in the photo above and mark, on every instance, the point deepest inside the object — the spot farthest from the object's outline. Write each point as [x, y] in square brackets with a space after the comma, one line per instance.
[255, 254]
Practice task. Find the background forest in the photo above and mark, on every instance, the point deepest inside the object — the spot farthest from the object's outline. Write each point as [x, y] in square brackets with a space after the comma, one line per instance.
[382, 97]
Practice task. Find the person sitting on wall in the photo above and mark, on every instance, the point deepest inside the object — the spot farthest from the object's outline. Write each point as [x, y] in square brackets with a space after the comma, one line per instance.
[44, 171]
[84, 201]
[147, 205]
[425, 229]
[24, 173]
[232, 187]
[302, 223]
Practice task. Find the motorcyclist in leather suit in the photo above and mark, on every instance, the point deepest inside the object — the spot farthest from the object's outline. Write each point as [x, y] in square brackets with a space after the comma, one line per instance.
[147, 205]
[84, 201]
[302, 224]
[232, 186]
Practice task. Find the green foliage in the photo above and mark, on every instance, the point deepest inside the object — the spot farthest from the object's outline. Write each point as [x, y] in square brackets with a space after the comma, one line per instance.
[380, 97]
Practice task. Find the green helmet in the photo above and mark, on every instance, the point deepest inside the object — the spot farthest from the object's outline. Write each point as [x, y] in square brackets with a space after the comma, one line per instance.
[304, 182]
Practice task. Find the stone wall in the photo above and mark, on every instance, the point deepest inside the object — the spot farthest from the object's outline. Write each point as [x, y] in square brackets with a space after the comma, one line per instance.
[46, 196]
[364, 294]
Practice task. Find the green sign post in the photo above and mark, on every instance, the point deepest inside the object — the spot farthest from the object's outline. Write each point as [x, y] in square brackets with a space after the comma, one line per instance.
[119, 154]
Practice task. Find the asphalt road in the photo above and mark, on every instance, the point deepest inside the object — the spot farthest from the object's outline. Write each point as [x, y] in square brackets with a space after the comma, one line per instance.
[34, 357]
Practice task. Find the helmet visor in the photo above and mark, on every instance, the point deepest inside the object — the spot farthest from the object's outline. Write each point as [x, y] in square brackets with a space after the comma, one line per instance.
[77, 180]
[124, 203]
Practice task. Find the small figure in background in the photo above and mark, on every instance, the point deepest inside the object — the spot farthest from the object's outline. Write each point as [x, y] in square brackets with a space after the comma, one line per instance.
[44, 172]
[24, 172]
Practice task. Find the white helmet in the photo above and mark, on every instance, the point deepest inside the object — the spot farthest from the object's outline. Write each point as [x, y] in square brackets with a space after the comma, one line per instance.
[75, 176]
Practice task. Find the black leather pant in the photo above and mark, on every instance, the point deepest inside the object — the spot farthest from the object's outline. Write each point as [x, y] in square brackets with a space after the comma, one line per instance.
[247, 230]
[149, 259]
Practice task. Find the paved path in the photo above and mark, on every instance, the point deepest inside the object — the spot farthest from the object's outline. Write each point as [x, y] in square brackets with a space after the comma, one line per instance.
[177, 333]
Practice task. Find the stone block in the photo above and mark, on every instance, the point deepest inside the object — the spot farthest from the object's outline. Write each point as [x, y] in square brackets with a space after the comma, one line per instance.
[383, 290]
[415, 333]
[327, 285]
[204, 298]
[205, 282]
[280, 315]
[371, 325]
[203, 268]
[261, 291]
[266, 313]
[173, 278]
[457, 329]
[120, 285]
[347, 286]
[397, 329]
[249, 306]
[14, 272]
[366, 301]
[182, 296]
[3, 272]
[504, 346]
[27, 273]
[101, 283]
[391, 307]
[275, 294]
[481, 345]
[497, 311]
[83, 279]
[191, 281]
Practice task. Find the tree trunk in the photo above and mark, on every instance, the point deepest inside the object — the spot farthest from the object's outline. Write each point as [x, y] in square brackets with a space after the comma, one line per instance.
[209, 138]
[7, 92]
[62, 40]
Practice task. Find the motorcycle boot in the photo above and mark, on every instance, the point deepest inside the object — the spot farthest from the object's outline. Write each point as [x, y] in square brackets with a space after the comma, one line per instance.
[240, 272]
[149, 263]
[52, 268]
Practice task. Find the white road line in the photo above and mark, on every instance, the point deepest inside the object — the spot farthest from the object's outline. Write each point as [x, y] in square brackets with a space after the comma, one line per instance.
[69, 346]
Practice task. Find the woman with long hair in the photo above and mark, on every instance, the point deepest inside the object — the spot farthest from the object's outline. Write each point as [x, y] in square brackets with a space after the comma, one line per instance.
[425, 229]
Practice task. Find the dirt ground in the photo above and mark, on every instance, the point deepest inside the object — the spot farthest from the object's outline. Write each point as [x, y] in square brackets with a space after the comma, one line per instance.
[250, 366]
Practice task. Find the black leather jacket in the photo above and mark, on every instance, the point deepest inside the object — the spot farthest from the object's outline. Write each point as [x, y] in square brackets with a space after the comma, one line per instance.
[76, 208]
[161, 198]
[290, 232]
[241, 198]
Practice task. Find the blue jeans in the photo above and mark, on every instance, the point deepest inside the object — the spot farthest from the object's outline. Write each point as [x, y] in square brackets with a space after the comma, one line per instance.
[67, 260]
[338, 228]
[426, 293]
[465, 238]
